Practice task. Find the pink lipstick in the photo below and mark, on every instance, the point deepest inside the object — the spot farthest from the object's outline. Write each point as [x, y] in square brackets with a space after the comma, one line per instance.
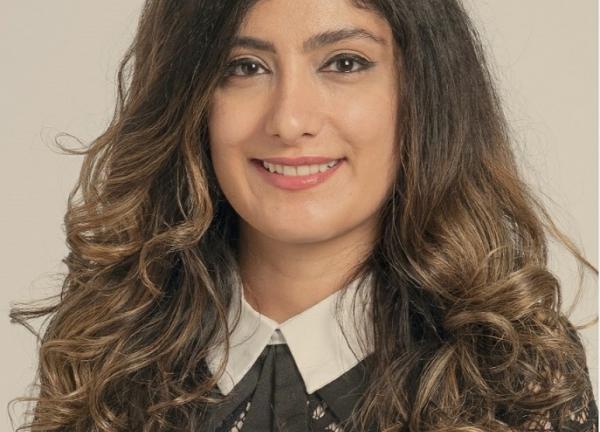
[297, 182]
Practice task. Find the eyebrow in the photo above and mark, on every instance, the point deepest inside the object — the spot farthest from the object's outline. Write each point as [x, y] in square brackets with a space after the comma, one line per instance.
[312, 43]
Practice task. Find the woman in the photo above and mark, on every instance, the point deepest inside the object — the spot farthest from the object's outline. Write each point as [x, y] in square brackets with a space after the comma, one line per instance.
[307, 216]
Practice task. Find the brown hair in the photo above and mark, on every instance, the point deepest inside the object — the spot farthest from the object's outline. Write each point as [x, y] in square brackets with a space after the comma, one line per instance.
[468, 329]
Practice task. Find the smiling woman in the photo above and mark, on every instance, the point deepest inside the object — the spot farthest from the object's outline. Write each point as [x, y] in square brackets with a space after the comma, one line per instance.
[306, 216]
[325, 89]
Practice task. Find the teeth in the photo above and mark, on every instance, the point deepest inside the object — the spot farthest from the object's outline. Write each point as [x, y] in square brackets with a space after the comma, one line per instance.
[300, 170]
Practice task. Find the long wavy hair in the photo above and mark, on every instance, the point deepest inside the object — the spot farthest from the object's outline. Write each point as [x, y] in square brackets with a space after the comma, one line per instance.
[468, 329]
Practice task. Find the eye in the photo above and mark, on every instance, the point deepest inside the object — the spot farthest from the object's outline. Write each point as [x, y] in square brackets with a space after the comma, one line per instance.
[245, 65]
[346, 63]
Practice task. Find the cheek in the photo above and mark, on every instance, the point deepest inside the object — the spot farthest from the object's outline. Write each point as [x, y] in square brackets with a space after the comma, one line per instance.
[225, 112]
[366, 110]
[368, 122]
[225, 143]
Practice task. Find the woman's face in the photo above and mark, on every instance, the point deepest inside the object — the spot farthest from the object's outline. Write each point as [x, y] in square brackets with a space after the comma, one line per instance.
[307, 78]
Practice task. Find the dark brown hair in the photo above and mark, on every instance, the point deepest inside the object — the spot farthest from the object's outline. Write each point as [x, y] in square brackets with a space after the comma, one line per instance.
[468, 329]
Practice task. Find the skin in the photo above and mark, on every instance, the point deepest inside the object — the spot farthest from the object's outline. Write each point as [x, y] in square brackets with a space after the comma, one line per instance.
[297, 246]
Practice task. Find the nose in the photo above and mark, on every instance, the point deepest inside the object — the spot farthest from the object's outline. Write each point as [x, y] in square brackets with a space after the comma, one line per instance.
[296, 108]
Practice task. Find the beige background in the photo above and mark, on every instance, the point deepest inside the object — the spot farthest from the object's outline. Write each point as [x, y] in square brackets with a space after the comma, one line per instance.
[59, 62]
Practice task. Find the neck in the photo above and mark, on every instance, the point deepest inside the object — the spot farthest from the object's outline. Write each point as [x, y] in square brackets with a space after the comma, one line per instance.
[282, 279]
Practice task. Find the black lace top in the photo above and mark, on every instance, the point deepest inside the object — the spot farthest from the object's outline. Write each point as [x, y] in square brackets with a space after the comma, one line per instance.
[272, 397]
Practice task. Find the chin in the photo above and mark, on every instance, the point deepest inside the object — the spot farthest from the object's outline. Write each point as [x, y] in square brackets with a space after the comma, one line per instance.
[304, 236]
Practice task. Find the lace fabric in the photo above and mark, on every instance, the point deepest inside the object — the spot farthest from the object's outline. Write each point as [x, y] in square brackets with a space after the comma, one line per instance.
[322, 417]
[272, 397]
[582, 418]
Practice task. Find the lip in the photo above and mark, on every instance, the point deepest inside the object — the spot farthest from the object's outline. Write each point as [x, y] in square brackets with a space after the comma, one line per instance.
[304, 160]
[296, 182]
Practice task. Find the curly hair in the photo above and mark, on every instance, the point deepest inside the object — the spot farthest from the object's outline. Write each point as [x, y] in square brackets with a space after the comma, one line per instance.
[468, 329]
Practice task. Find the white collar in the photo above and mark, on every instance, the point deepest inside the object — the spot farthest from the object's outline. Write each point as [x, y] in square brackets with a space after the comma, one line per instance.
[314, 338]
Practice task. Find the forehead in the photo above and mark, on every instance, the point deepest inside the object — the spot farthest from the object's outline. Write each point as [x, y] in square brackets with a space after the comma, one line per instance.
[296, 19]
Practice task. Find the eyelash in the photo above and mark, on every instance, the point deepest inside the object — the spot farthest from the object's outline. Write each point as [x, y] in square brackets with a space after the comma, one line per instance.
[364, 64]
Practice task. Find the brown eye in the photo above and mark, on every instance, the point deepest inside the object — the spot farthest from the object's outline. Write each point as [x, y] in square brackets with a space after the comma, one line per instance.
[243, 67]
[347, 63]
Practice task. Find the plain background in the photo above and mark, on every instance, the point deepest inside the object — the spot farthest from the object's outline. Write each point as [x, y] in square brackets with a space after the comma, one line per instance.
[59, 62]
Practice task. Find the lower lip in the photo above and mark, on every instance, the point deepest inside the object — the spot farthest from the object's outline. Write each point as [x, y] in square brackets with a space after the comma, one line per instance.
[295, 182]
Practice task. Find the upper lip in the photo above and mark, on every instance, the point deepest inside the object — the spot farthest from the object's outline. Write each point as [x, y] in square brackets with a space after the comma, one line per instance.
[304, 160]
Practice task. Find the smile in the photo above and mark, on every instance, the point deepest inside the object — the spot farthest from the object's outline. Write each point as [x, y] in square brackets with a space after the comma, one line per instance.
[296, 177]
[299, 170]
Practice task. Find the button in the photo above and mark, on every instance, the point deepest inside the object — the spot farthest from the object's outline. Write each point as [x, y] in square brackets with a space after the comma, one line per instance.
[277, 338]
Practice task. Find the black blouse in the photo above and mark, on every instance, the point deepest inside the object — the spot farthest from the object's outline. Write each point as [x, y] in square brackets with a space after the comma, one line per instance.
[272, 397]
